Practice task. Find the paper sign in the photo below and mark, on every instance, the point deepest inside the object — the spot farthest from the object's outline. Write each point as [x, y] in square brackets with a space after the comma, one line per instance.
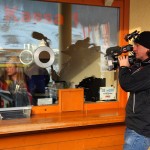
[107, 93]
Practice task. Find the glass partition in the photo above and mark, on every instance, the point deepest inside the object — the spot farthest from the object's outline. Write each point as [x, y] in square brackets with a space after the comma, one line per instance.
[47, 46]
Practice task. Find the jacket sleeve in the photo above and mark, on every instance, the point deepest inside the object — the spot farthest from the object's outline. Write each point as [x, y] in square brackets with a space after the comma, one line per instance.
[134, 82]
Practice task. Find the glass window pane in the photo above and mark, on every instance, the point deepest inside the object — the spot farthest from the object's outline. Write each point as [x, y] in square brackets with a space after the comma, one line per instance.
[43, 48]
[94, 29]
[23, 24]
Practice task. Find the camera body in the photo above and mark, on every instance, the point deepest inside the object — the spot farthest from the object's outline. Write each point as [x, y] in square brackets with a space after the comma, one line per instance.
[112, 53]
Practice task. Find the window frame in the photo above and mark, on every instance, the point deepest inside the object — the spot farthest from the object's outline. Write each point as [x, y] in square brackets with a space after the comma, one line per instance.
[124, 6]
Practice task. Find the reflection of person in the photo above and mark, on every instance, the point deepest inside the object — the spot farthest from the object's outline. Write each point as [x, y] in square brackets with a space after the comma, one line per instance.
[136, 80]
[54, 75]
[15, 83]
[75, 60]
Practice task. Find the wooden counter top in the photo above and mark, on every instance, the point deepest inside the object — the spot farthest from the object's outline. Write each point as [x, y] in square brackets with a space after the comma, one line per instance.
[52, 121]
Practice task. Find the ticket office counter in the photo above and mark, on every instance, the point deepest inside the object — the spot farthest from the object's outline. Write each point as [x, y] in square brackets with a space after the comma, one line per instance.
[63, 126]
[72, 123]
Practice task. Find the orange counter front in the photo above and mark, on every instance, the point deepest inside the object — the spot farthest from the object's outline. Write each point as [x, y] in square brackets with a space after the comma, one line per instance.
[70, 124]
[77, 130]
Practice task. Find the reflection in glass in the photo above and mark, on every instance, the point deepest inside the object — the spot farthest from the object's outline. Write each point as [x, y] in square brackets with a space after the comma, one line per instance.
[14, 92]
[79, 54]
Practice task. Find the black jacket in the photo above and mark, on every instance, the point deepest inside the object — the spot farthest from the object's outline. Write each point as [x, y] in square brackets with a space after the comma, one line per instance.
[137, 82]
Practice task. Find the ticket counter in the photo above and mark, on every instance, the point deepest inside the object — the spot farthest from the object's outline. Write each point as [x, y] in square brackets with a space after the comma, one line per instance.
[74, 123]
[80, 128]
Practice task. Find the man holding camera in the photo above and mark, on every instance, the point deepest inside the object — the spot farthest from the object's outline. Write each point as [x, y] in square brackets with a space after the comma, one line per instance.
[136, 80]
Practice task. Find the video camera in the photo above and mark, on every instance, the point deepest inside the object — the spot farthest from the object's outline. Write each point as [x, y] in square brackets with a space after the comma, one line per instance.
[112, 53]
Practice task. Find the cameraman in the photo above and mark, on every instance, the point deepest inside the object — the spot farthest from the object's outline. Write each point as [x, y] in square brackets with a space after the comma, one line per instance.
[136, 80]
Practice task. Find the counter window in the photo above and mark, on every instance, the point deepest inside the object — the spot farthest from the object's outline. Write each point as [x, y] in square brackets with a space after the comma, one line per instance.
[48, 46]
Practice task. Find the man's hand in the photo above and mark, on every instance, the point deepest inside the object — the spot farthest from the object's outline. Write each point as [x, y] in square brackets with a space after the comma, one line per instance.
[123, 61]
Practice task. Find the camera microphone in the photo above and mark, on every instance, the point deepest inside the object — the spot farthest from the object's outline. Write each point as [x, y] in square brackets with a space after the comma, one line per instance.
[38, 36]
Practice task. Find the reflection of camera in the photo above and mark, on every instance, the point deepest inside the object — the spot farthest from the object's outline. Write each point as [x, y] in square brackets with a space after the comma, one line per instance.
[112, 53]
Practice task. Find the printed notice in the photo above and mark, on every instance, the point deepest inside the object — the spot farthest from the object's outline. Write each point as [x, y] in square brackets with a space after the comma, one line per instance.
[107, 93]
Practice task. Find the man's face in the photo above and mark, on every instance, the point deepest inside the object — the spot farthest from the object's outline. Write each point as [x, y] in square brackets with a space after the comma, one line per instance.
[140, 51]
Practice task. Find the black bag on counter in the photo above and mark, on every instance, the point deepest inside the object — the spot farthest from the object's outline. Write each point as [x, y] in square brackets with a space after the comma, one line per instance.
[91, 87]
